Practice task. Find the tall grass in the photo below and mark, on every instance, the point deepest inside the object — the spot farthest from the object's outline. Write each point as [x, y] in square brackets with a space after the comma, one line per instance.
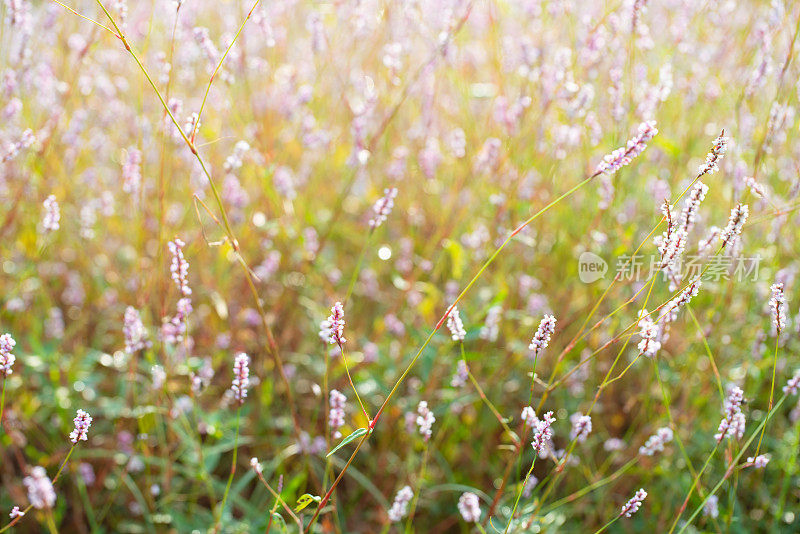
[183, 183]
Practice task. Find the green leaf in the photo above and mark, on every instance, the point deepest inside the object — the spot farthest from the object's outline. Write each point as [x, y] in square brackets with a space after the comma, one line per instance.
[305, 500]
[357, 434]
[280, 521]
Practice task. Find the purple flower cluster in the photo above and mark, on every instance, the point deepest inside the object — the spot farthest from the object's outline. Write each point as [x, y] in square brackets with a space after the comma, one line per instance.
[173, 329]
[759, 462]
[469, 507]
[735, 224]
[793, 384]
[455, 325]
[712, 159]
[241, 377]
[633, 505]
[179, 266]
[623, 156]
[733, 421]
[491, 327]
[134, 331]
[40, 489]
[686, 295]
[461, 375]
[399, 507]
[7, 359]
[383, 207]
[132, 171]
[581, 427]
[777, 304]
[542, 336]
[542, 432]
[82, 423]
[656, 442]
[52, 214]
[332, 329]
[425, 420]
[650, 333]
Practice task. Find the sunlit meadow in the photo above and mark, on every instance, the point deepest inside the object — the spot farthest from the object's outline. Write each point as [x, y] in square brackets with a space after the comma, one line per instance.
[383, 266]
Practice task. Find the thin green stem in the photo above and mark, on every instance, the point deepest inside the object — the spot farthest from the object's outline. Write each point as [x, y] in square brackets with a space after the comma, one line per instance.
[63, 464]
[51, 524]
[519, 494]
[604, 527]
[471, 283]
[2, 403]
[106, 28]
[219, 66]
[272, 346]
[352, 384]
[694, 484]
[28, 508]
[233, 472]
[708, 351]
[357, 270]
[433, 332]
[790, 471]
[771, 389]
[420, 476]
[327, 495]
[733, 464]
[485, 399]
[279, 500]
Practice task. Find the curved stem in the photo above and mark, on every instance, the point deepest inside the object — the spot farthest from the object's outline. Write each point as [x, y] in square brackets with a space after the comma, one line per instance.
[28, 508]
[216, 70]
[271, 345]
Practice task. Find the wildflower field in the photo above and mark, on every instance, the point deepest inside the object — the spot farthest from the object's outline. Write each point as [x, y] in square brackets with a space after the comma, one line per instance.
[384, 266]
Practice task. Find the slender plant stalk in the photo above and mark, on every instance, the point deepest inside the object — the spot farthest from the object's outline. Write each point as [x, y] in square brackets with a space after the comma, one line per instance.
[694, 484]
[350, 378]
[219, 66]
[708, 350]
[771, 391]
[519, 493]
[591, 487]
[272, 345]
[594, 309]
[791, 469]
[2, 403]
[357, 270]
[604, 527]
[436, 328]
[51, 524]
[233, 472]
[28, 508]
[279, 500]
[486, 399]
[420, 477]
[733, 464]
[469, 286]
